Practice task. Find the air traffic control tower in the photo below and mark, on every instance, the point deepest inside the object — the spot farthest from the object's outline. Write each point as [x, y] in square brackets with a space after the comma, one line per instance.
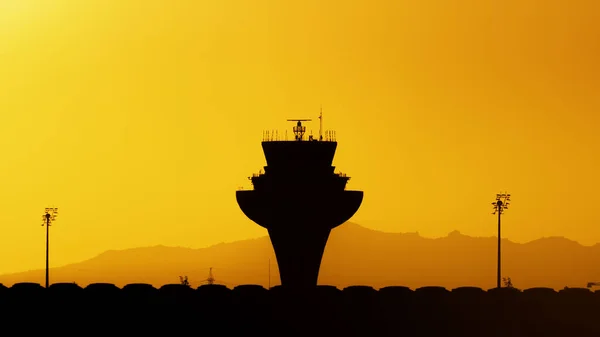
[299, 199]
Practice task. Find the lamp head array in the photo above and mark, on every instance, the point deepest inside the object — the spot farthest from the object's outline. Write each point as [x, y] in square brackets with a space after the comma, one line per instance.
[49, 216]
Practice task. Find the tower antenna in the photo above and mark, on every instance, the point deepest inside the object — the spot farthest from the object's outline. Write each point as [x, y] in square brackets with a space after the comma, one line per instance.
[299, 129]
[321, 124]
[501, 204]
[49, 217]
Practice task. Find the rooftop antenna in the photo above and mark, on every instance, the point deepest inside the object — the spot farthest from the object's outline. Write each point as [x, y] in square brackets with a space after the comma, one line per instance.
[210, 279]
[502, 202]
[299, 129]
[49, 217]
[321, 124]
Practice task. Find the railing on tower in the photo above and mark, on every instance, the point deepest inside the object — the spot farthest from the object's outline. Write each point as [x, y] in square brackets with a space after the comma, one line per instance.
[275, 136]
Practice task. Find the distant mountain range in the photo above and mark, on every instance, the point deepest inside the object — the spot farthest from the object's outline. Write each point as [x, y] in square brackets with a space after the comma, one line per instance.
[354, 256]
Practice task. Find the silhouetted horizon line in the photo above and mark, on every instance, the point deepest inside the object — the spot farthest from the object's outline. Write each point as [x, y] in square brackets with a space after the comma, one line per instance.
[417, 234]
[454, 232]
[451, 235]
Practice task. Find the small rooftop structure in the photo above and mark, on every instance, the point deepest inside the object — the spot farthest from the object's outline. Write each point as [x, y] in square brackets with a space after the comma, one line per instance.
[299, 131]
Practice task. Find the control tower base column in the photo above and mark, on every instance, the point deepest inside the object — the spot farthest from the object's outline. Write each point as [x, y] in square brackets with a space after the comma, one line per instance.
[299, 252]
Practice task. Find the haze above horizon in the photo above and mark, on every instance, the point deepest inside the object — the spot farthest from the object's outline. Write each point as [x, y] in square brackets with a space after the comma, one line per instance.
[139, 120]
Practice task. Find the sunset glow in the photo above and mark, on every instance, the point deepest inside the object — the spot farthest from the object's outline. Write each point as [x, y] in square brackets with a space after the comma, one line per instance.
[140, 119]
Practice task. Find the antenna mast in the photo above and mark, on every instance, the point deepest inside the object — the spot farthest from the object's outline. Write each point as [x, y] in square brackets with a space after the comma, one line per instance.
[210, 280]
[321, 124]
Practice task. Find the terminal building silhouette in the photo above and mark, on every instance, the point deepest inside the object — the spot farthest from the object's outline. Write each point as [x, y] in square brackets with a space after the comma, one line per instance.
[299, 199]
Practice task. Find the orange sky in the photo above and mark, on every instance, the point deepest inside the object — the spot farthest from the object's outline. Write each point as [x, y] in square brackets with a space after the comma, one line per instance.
[140, 119]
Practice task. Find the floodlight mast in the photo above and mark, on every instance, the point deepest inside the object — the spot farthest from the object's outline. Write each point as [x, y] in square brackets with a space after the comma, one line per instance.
[49, 217]
[502, 202]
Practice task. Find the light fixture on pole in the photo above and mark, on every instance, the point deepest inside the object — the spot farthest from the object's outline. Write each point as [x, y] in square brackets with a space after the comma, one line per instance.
[501, 204]
[47, 219]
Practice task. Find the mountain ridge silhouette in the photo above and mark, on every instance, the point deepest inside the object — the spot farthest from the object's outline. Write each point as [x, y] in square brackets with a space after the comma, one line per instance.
[354, 255]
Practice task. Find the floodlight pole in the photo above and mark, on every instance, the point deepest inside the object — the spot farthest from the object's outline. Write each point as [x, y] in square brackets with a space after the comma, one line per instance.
[48, 217]
[502, 202]
[47, 247]
[499, 273]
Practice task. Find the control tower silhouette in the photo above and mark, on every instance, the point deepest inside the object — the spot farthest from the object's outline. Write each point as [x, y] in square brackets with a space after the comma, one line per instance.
[299, 199]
